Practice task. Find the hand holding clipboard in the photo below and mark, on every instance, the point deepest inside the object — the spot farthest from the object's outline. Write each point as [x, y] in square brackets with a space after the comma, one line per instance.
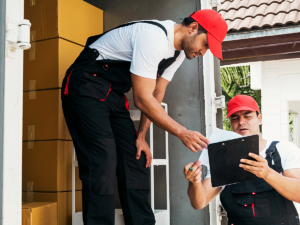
[224, 160]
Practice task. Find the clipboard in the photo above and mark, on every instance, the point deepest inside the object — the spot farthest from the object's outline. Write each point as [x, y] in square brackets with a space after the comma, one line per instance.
[224, 160]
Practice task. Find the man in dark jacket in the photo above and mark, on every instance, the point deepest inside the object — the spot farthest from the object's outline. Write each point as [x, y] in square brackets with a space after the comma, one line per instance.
[143, 55]
[266, 200]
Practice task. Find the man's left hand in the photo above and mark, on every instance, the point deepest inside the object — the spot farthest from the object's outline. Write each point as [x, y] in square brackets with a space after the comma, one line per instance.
[142, 145]
[260, 167]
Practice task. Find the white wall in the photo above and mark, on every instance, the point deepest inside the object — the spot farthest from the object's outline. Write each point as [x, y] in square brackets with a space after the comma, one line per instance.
[280, 85]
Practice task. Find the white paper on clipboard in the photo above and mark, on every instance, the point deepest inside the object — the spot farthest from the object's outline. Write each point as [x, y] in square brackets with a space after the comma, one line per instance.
[217, 136]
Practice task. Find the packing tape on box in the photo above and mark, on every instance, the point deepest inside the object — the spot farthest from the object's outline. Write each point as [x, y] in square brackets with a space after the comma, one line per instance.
[31, 135]
[32, 51]
[32, 84]
[30, 191]
[32, 36]
[32, 3]
[30, 145]
[32, 92]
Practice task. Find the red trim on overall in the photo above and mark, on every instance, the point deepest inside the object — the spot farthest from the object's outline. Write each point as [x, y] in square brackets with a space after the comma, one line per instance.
[102, 100]
[127, 107]
[66, 92]
[126, 102]
[253, 209]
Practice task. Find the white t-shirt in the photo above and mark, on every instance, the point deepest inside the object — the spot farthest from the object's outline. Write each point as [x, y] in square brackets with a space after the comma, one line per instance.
[144, 45]
[289, 154]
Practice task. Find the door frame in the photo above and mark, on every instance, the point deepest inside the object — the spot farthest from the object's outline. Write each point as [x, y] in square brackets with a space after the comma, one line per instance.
[2, 69]
[11, 110]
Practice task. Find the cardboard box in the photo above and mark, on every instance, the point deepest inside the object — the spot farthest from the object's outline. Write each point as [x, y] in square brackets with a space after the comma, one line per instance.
[43, 117]
[64, 204]
[37, 213]
[73, 20]
[46, 63]
[47, 166]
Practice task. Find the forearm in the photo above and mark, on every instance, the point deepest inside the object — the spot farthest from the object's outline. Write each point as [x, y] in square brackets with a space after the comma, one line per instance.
[152, 109]
[286, 186]
[197, 195]
[144, 121]
[144, 125]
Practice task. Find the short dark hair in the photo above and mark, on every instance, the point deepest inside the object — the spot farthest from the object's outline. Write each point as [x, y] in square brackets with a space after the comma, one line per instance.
[188, 20]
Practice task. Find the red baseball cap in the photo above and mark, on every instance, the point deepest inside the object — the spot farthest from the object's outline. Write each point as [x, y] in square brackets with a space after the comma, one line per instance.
[242, 102]
[216, 28]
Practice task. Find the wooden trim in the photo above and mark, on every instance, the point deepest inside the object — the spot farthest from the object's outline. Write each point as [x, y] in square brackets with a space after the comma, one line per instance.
[262, 50]
[226, 45]
[261, 58]
[277, 46]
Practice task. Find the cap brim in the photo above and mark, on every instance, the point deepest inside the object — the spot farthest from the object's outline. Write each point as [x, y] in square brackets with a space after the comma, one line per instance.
[240, 109]
[214, 46]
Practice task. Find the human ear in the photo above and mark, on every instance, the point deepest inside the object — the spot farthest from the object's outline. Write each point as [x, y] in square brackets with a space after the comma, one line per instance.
[193, 27]
[260, 119]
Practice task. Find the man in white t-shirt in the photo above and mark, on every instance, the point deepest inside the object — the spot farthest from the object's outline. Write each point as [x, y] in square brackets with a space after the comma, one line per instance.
[143, 55]
[266, 200]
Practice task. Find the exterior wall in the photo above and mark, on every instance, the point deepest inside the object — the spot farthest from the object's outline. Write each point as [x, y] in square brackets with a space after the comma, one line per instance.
[280, 85]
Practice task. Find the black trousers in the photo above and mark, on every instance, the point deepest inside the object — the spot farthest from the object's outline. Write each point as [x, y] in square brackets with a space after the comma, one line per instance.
[104, 139]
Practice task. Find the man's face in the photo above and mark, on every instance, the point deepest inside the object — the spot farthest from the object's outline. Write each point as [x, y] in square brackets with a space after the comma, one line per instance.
[245, 122]
[194, 44]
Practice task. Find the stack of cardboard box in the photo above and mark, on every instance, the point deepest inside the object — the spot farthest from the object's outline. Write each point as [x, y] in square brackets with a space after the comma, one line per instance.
[58, 34]
[39, 213]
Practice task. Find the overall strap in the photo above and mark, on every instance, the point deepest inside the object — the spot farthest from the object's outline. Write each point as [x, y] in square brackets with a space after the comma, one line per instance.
[273, 154]
[92, 39]
[165, 63]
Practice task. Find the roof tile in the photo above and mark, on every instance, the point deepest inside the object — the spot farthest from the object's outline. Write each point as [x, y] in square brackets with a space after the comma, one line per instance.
[247, 14]
[236, 4]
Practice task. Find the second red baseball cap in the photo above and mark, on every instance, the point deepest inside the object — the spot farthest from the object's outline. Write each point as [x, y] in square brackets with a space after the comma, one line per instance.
[242, 102]
[216, 28]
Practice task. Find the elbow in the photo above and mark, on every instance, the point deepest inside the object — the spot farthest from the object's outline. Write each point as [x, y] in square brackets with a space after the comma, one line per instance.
[293, 197]
[297, 199]
[137, 100]
[198, 206]
[140, 101]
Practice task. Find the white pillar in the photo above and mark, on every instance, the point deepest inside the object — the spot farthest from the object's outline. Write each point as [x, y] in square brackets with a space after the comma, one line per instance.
[12, 128]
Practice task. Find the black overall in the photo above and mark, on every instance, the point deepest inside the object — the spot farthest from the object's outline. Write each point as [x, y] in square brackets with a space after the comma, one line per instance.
[97, 116]
[256, 202]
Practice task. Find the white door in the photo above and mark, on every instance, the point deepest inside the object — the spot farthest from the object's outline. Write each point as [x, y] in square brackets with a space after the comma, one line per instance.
[210, 123]
[14, 37]
[210, 114]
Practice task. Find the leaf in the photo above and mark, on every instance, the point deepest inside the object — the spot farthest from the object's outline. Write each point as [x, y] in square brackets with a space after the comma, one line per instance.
[235, 81]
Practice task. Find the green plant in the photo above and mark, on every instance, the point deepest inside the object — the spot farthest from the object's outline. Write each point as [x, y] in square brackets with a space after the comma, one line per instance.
[236, 81]
[291, 123]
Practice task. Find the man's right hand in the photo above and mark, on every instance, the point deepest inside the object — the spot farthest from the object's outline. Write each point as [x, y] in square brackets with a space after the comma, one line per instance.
[143, 89]
[193, 140]
[194, 175]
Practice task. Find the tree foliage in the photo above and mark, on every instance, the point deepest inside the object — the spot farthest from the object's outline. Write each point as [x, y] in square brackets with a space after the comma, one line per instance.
[236, 81]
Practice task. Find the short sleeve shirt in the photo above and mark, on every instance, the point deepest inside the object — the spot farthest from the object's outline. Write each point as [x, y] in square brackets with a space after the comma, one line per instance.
[144, 45]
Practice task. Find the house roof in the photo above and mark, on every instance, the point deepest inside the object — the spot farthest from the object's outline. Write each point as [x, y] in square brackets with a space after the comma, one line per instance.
[250, 14]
